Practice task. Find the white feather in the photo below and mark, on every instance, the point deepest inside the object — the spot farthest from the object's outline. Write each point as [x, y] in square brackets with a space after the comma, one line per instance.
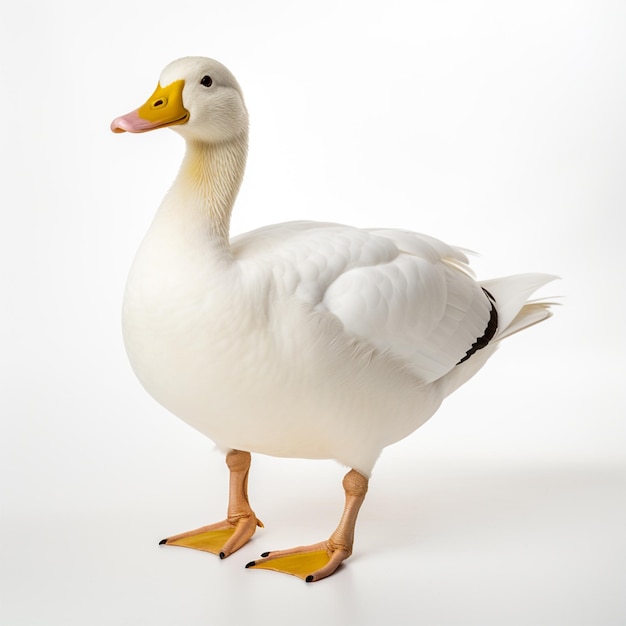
[511, 294]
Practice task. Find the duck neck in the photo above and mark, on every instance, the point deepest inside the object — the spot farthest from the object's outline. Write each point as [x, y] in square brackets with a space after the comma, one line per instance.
[208, 183]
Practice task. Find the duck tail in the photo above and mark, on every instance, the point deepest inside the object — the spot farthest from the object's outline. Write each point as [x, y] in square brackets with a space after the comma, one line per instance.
[515, 310]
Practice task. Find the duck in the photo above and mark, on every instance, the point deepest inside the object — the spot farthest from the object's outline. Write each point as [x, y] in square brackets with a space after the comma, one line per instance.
[304, 339]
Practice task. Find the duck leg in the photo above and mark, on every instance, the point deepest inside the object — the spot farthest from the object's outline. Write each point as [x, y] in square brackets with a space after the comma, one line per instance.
[226, 537]
[320, 560]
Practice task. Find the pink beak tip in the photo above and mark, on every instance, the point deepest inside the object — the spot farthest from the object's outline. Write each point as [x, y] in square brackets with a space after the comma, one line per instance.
[131, 122]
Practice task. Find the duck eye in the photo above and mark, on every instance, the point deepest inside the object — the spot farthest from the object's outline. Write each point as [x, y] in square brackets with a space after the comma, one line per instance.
[206, 81]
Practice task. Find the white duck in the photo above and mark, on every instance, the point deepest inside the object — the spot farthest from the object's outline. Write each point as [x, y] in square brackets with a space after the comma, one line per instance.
[302, 339]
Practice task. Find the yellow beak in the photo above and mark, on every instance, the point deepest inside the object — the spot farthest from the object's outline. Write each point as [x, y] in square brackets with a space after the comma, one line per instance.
[163, 108]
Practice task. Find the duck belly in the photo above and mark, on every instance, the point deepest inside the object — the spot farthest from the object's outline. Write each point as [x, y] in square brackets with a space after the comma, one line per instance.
[276, 378]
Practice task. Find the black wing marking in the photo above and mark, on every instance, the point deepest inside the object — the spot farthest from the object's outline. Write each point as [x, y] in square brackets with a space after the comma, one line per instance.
[490, 330]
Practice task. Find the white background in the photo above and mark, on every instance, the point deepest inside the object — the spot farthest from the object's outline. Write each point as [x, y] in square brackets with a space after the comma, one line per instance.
[497, 126]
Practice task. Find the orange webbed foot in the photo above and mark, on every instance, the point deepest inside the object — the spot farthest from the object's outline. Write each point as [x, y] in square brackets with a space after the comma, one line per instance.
[222, 538]
[310, 563]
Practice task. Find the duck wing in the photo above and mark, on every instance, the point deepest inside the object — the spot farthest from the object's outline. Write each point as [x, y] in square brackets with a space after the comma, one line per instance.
[409, 295]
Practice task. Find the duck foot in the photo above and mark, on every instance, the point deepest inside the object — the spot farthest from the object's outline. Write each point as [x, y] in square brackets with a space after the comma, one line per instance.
[312, 563]
[222, 538]
[226, 537]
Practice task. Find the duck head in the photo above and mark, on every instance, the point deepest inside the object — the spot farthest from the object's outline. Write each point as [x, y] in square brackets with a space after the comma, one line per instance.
[197, 97]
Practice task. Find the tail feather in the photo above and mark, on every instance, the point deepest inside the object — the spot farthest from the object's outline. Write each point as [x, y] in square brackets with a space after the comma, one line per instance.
[515, 311]
[530, 314]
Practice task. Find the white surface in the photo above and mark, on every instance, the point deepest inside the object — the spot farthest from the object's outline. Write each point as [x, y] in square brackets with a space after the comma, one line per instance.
[501, 130]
